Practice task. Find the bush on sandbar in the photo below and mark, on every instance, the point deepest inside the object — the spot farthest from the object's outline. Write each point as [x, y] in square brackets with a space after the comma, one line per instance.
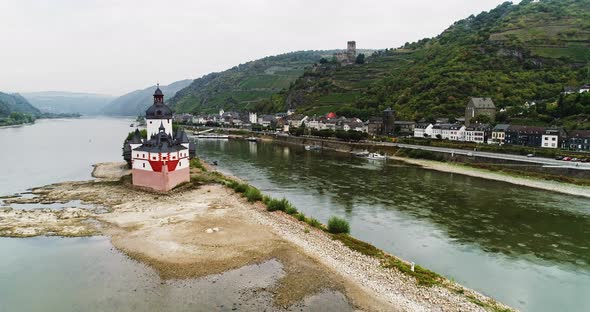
[338, 225]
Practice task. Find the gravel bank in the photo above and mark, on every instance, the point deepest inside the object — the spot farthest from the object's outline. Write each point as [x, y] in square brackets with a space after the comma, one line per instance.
[554, 186]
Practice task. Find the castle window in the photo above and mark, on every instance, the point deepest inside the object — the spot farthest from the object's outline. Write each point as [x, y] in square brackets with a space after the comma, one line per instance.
[144, 165]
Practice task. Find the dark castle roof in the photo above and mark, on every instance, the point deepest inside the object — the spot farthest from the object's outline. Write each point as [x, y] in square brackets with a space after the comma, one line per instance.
[161, 143]
[158, 111]
[136, 139]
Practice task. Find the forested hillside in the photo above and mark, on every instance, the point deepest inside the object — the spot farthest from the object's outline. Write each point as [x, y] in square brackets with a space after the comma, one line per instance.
[513, 54]
[245, 85]
[10, 103]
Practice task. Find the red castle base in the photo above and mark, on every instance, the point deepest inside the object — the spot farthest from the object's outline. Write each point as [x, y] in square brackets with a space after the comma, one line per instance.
[160, 181]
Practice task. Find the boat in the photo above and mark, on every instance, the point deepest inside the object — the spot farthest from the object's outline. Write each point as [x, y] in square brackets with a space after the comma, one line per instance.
[312, 147]
[375, 156]
[251, 139]
[131, 125]
[212, 136]
[361, 154]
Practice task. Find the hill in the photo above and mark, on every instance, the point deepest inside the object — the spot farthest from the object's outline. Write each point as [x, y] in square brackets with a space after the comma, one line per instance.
[246, 85]
[10, 103]
[513, 53]
[135, 103]
[56, 102]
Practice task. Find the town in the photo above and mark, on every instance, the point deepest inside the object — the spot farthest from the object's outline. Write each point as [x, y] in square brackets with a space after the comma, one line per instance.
[467, 128]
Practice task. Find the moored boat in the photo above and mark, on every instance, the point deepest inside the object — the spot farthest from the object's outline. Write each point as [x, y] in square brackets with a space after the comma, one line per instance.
[376, 156]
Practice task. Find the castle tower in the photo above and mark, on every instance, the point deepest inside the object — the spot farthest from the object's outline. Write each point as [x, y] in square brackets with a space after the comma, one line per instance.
[388, 125]
[351, 51]
[158, 114]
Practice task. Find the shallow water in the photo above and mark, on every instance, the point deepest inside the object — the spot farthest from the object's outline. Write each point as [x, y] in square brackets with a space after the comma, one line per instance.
[526, 247]
[88, 274]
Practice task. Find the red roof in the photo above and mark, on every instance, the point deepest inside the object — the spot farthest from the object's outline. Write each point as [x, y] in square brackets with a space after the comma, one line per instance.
[331, 115]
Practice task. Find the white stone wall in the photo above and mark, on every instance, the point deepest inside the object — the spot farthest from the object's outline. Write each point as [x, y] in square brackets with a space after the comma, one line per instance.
[153, 126]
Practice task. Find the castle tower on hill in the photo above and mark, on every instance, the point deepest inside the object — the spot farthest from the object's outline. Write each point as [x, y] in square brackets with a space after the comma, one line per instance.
[161, 161]
[348, 57]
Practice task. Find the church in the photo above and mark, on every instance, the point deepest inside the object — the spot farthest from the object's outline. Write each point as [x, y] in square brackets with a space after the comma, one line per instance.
[161, 161]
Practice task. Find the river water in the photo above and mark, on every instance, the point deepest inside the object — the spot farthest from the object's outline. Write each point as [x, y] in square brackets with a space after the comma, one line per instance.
[525, 247]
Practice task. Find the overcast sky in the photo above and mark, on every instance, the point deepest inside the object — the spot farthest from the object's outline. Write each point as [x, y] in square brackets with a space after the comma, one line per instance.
[113, 47]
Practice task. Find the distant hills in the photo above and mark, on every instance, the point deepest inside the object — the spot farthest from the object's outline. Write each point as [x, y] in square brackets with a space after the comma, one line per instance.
[10, 103]
[513, 54]
[135, 103]
[56, 102]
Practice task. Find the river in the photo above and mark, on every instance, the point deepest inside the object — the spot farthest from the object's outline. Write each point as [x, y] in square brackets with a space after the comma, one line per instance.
[525, 247]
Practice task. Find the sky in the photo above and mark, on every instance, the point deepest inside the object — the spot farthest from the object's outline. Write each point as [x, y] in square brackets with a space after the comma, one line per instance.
[115, 46]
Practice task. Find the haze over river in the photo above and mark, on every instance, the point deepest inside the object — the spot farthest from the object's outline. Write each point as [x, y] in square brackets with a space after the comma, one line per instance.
[527, 248]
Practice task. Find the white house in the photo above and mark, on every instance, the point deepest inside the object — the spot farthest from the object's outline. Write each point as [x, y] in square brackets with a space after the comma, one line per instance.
[550, 139]
[423, 130]
[457, 133]
[585, 88]
[253, 118]
[476, 133]
[499, 134]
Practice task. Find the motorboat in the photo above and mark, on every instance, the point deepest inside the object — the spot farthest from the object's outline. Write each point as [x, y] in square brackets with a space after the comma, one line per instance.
[361, 154]
[312, 147]
[375, 156]
[131, 125]
[251, 139]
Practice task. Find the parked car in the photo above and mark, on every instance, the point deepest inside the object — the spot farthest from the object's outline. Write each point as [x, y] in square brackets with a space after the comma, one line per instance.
[574, 159]
[567, 159]
[558, 157]
[530, 155]
[584, 160]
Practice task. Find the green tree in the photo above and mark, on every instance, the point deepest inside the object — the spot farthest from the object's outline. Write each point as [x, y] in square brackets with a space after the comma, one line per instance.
[360, 59]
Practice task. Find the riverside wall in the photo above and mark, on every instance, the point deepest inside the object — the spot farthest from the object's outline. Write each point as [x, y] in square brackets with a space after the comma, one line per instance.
[348, 147]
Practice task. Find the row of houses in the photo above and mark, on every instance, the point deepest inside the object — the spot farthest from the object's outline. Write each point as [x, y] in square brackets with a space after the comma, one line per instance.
[532, 136]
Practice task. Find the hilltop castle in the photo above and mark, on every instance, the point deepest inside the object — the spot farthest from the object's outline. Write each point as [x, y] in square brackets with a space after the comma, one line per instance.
[348, 57]
[161, 161]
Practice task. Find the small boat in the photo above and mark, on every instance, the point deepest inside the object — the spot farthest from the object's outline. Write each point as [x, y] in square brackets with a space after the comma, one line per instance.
[312, 147]
[375, 156]
[215, 162]
[361, 154]
[251, 139]
[131, 125]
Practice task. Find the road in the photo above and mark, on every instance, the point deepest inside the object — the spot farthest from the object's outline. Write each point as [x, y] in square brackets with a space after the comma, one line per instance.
[537, 160]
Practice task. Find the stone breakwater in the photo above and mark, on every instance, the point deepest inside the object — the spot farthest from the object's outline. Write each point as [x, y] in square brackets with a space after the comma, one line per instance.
[174, 233]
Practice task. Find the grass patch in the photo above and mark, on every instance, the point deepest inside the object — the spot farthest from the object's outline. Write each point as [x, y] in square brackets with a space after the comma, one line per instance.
[423, 276]
[338, 225]
[314, 222]
[196, 163]
[300, 216]
[278, 204]
[253, 194]
[291, 210]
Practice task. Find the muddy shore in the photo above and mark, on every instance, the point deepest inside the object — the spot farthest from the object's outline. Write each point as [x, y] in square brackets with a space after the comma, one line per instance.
[204, 228]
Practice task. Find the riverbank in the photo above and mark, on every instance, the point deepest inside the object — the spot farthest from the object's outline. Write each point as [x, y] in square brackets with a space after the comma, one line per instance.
[205, 228]
[450, 167]
[565, 188]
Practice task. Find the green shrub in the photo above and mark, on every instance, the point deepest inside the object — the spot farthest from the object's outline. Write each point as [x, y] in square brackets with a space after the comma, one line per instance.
[300, 216]
[314, 222]
[241, 187]
[196, 163]
[253, 194]
[338, 225]
[276, 204]
[290, 210]
[266, 199]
